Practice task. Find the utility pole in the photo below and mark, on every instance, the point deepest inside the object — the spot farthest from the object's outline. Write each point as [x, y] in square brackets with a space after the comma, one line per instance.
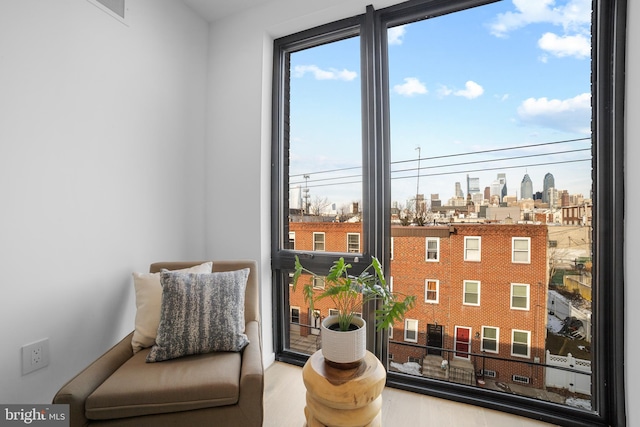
[306, 196]
[418, 181]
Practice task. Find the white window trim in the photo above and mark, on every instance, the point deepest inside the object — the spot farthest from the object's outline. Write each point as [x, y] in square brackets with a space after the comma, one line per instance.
[324, 241]
[497, 350]
[353, 234]
[407, 323]
[464, 292]
[513, 250]
[479, 239]
[527, 308]
[528, 356]
[426, 248]
[391, 258]
[292, 236]
[437, 300]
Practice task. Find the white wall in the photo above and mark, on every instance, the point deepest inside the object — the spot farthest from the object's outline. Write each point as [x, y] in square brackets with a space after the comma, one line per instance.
[102, 133]
[239, 136]
[239, 149]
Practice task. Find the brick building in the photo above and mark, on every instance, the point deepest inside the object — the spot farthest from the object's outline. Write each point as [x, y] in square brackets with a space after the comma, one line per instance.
[481, 291]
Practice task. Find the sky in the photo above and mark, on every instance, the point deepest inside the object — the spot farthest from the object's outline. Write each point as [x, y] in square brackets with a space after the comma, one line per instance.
[501, 88]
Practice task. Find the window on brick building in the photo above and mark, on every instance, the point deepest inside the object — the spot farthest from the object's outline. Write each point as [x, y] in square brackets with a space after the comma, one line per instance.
[472, 248]
[411, 330]
[519, 296]
[318, 283]
[520, 343]
[433, 249]
[490, 339]
[471, 292]
[318, 242]
[431, 290]
[521, 250]
[292, 240]
[353, 242]
[294, 313]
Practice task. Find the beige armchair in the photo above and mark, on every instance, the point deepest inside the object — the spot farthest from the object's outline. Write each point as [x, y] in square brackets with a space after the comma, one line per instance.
[213, 389]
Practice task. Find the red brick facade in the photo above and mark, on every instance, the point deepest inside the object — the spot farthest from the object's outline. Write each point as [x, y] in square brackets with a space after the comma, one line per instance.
[488, 305]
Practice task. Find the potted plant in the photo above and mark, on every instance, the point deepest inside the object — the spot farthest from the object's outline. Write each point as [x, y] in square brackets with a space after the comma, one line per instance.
[344, 334]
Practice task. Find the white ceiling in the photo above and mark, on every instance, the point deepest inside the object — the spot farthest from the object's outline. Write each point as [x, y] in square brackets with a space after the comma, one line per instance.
[213, 10]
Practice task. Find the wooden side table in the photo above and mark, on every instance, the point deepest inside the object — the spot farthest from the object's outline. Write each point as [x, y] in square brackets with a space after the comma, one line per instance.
[343, 398]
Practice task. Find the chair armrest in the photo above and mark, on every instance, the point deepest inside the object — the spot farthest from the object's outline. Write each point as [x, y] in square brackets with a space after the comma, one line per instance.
[75, 392]
[252, 375]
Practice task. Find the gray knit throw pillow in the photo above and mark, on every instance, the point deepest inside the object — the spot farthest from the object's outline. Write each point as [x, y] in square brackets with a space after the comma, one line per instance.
[200, 313]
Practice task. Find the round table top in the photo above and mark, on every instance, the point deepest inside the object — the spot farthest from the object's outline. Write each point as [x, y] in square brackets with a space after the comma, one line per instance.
[342, 386]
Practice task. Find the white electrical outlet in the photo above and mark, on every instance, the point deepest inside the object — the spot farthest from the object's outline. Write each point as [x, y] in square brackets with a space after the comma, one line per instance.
[35, 356]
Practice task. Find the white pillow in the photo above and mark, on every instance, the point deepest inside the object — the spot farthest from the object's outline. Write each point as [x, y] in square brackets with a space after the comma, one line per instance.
[148, 303]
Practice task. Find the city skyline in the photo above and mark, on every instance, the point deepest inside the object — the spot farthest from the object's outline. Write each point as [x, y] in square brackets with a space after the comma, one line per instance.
[297, 192]
[501, 88]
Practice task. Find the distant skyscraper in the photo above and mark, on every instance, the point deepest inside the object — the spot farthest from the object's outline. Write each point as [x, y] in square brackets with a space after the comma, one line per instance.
[526, 187]
[496, 189]
[473, 185]
[502, 178]
[549, 182]
[459, 192]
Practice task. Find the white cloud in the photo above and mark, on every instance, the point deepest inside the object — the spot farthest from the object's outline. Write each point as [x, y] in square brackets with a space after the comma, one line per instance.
[575, 15]
[410, 87]
[395, 35]
[578, 46]
[444, 91]
[573, 114]
[472, 90]
[320, 74]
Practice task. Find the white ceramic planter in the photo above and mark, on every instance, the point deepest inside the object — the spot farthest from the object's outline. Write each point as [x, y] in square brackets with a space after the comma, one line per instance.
[344, 349]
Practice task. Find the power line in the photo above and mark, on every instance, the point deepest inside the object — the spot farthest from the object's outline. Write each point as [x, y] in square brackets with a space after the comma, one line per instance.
[495, 160]
[566, 141]
[445, 173]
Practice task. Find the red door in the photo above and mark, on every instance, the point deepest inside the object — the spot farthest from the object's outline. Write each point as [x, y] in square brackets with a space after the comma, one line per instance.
[463, 342]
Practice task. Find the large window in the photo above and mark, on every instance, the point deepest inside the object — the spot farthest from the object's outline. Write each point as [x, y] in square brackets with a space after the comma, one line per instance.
[454, 126]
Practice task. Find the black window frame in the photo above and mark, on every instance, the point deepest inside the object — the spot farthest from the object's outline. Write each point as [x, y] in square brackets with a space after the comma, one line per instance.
[608, 89]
